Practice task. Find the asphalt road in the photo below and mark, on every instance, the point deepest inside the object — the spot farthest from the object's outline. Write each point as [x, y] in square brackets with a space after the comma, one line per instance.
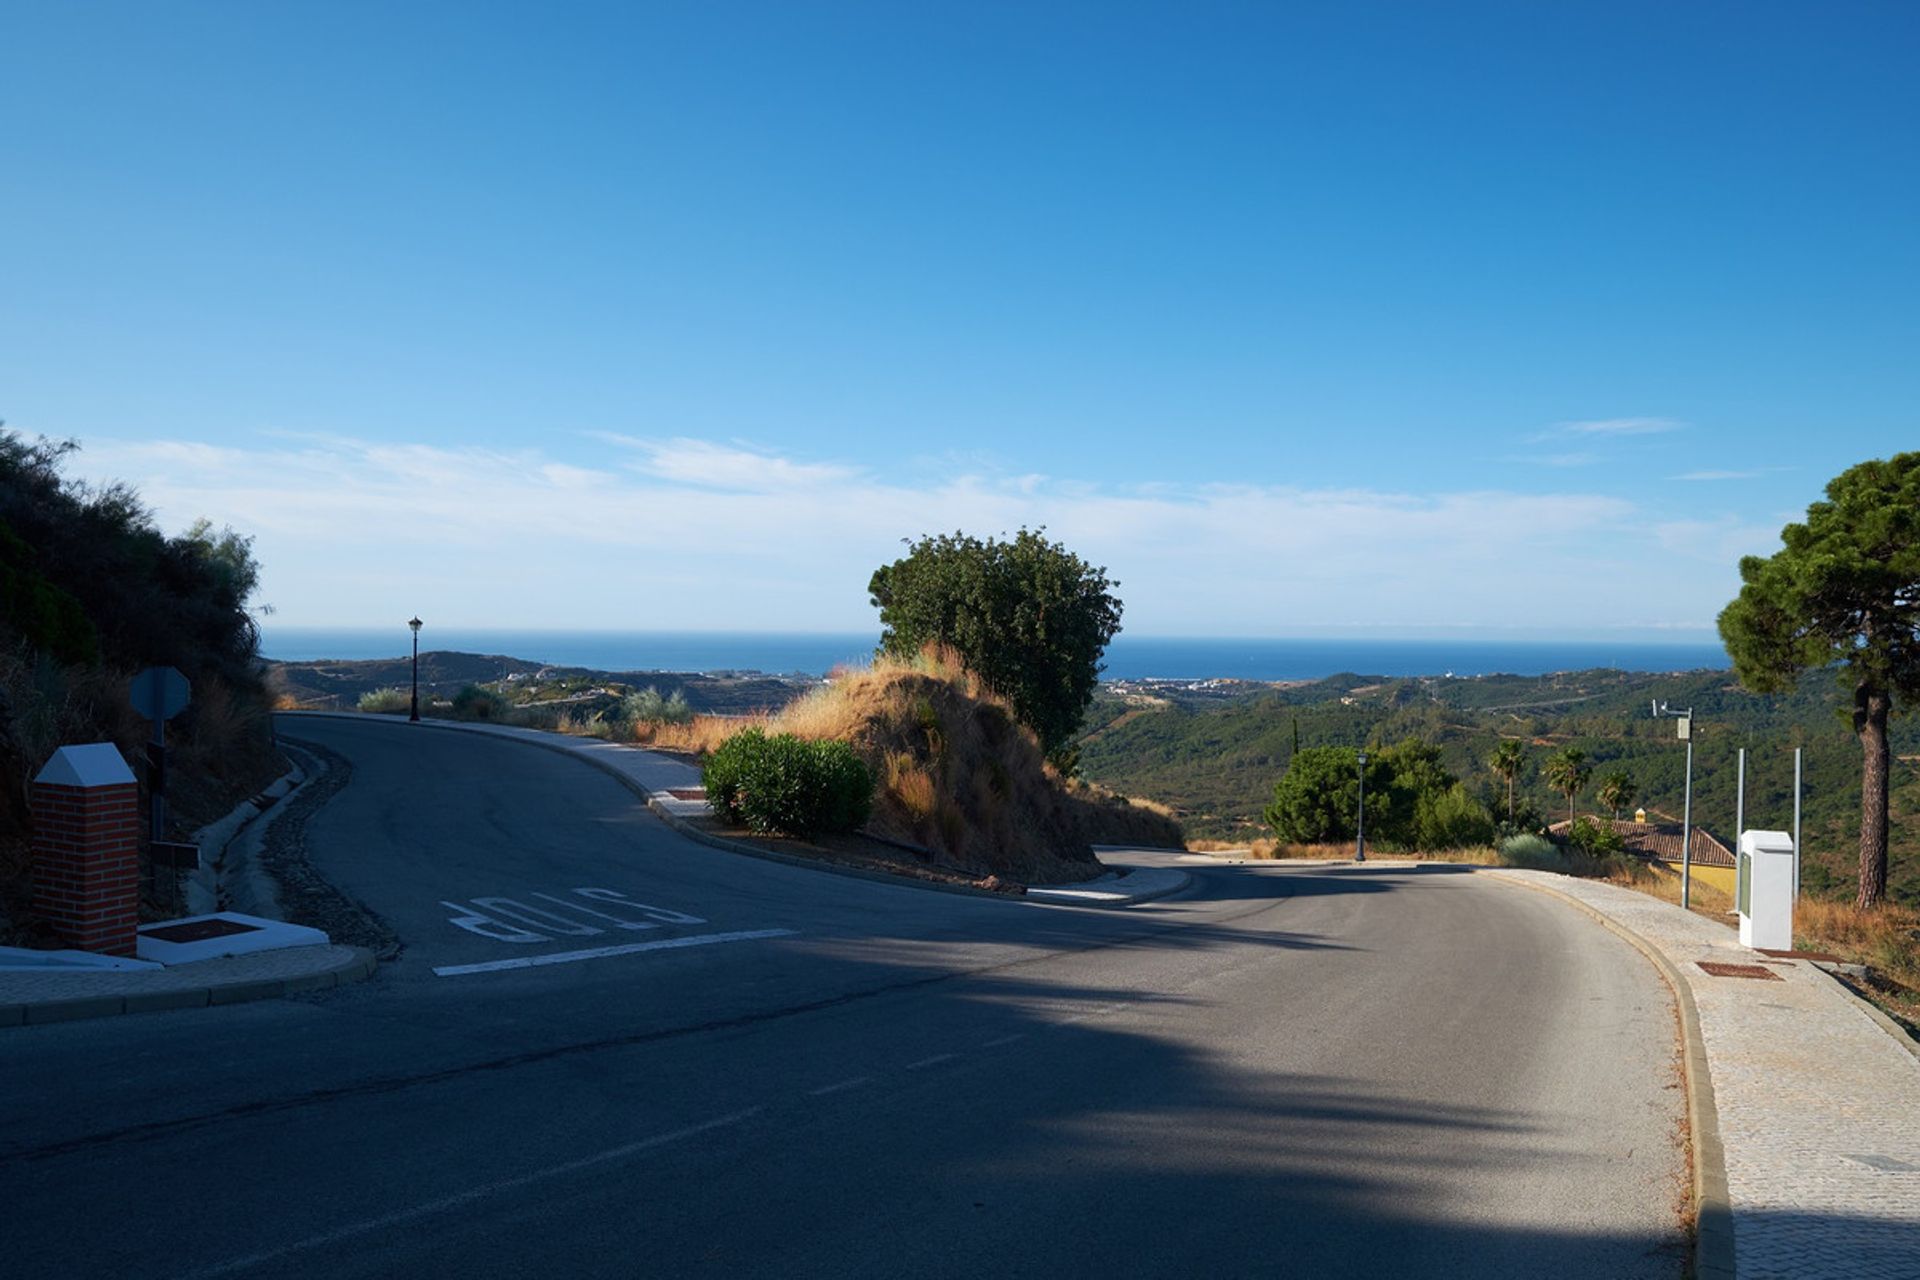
[728, 1067]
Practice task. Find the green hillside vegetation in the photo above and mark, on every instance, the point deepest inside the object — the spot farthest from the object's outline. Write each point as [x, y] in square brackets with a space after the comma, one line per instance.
[340, 685]
[91, 592]
[1217, 765]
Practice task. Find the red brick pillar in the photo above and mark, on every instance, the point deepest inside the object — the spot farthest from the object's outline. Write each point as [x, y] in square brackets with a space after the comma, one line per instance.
[86, 849]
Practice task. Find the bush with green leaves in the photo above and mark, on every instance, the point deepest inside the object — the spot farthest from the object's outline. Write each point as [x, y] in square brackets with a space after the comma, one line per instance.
[477, 702]
[648, 707]
[1412, 801]
[1594, 839]
[386, 702]
[786, 785]
[1451, 819]
[1317, 800]
[1532, 852]
[1026, 615]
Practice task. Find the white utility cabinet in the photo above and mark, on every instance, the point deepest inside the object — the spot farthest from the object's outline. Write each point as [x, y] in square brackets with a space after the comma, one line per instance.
[1765, 890]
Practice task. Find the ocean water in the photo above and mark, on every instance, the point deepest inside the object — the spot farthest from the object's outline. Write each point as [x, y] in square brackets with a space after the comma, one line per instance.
[1128, 658]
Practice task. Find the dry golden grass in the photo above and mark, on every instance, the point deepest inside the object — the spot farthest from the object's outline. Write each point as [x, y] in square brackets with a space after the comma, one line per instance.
[1268, 849]
[697, 736]
[956, 772]
[1887, 940]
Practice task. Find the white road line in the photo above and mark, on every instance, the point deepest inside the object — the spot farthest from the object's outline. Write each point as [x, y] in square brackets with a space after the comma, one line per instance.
[431, 1207]
[995, 1044]
[595, 953]
[928, 1062]
[826, 1089]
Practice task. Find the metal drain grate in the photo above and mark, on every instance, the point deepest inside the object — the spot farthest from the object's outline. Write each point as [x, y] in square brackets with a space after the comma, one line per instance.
[1719, 970]
[687, 793]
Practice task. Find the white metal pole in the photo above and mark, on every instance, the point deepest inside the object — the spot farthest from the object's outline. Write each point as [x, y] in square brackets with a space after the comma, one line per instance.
[1686, 837]
[1796, 822]
[1740, 801]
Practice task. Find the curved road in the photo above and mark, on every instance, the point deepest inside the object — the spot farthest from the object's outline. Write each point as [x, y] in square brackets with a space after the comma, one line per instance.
[721, 1066]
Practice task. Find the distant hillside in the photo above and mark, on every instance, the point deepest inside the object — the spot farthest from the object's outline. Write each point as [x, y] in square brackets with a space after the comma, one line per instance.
[1216, 764]
[338, 685]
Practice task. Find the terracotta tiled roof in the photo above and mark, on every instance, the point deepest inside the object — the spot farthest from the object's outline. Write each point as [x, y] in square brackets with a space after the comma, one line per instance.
[1662, 841]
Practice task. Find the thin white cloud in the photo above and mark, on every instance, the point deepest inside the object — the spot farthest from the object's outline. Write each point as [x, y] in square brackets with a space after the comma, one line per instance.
[1752, 473]
[725, 466]
[1575, 459]
[1620, 427]
[705, 534]
[1722, 540]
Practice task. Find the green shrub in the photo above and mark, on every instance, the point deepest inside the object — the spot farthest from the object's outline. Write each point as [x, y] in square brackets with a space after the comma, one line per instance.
[648, 707]
[477, 702]
[1451, 819]
[1534, 853]
[1595, 839]
[785, 785]
[386, 702]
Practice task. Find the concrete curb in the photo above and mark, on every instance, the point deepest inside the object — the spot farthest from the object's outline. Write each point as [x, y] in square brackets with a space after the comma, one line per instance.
[354, 968]
[695, 834]
[1873, 1011]
[203, 887]
[1713, 1257]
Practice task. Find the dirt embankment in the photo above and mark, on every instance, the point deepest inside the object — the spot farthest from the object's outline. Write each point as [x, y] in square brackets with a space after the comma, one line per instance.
[958, 775]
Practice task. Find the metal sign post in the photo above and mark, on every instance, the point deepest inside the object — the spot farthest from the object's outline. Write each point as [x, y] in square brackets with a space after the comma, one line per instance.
[1685, 718]
[1360, 838]
[160, 694]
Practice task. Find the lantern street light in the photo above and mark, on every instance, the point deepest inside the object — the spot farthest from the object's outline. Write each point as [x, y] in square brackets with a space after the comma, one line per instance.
[1360, 839]
[414, 715]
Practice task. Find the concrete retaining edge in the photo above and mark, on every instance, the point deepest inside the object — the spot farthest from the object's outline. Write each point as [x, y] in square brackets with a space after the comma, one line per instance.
[355, 968]
[1873, 1011]
[695, 834]
[1713, 1257]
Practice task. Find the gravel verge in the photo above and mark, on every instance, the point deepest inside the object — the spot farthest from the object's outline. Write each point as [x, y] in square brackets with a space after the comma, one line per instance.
[306, 897]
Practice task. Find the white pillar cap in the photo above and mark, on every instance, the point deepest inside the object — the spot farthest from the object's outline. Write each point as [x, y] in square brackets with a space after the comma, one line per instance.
[97, 764]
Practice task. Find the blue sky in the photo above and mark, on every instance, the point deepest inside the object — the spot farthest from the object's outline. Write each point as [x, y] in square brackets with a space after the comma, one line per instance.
[1300, 318]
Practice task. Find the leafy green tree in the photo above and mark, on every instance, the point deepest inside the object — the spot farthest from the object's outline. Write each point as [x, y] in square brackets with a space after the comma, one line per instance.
[1317, 800]
[1617, 791]
[1026, 615]
[1567, 772]
[1507, 760]
[1843, 592]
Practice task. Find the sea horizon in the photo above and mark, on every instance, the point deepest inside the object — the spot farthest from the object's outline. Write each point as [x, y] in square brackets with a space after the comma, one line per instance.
[1127, 658]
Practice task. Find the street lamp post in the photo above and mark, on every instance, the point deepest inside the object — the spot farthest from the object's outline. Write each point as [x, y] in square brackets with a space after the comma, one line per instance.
[414, 624]
[1360, 839]
[1685, 718]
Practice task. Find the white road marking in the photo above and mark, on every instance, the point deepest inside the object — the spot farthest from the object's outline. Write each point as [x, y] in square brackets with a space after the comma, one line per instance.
[487, 927]
[536, 917]
[661, 914]
[928, 1062]
[826, 1089]
[598, 915]
[445, 1203]
[995, 1044]
[595, 953]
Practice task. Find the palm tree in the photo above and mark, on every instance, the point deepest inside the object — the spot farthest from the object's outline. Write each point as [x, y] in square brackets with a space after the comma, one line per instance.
[1567, 772]
[1507, 760]
[1617, 791]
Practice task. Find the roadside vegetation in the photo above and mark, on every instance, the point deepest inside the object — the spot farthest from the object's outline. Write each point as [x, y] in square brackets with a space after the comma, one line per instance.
[92, 592]
[956, 773]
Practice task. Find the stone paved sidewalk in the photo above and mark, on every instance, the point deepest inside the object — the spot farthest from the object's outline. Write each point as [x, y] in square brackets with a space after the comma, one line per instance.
[1818, 1102]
